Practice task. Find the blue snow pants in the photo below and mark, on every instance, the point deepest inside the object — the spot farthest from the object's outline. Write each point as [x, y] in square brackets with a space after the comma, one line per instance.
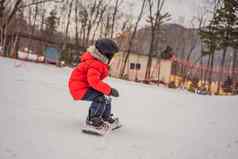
[101, 108]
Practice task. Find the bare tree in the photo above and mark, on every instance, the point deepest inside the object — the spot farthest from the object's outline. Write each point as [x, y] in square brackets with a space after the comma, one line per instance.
[67, 24]
[94, 14]
[9, 9]
[32, 19]
[197, 24]
[155, 22]
[90, 16]
[39, 2]
[6, 19]
[117, 4]
[132, 37]
[76, 23]
[234, 64]
[100, 20]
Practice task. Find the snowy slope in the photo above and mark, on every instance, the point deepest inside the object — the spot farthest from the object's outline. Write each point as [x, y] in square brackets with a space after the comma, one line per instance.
[39, 120]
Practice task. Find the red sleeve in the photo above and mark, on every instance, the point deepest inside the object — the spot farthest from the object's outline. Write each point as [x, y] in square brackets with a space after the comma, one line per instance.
[95, 82]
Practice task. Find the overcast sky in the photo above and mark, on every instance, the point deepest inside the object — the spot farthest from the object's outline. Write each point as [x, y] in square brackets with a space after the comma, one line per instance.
[182, 11]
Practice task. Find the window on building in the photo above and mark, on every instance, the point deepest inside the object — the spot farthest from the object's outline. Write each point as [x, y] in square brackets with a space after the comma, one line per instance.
[132, 66]
[138, 66]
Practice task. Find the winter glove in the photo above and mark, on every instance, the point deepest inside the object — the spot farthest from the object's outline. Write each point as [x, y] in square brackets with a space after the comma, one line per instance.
[114, 92]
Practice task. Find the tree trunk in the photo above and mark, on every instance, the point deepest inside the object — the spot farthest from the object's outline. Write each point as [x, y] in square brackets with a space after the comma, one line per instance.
[149, 63]
[211, 73]
[67, 25]
[125, 60]
[76, 24]
[88, 33]
[34, 25]
[107, 27]
[42, 22]
[84, 36]
[234, 64]
[4, 24]
[202, 72]
[4, 40]
[222, 69]
[1, 21]
[114, 17]
[208, 66]
[13, 12]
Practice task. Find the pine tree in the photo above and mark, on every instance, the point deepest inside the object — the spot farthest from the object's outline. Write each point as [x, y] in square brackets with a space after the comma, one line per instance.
[221, 32]
[51, 23]
[209, 45]
[227, 19]
[234, 40]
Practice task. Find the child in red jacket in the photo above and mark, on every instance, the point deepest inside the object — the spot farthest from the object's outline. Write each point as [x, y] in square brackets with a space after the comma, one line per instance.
[86, 82]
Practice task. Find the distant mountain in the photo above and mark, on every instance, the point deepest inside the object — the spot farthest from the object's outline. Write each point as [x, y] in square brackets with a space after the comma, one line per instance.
[174, 35]
[183, 41]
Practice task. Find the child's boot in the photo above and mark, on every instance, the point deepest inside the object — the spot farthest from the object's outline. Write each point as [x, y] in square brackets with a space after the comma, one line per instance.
[113, 121]
[96, 122]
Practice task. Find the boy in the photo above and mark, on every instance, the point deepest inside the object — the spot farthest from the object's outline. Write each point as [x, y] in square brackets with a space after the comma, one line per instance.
[86, 83]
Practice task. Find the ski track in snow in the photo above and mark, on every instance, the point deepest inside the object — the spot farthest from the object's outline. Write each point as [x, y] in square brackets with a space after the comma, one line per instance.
[39, 119]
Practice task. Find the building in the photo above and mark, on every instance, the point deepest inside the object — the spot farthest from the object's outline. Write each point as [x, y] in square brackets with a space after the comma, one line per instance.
[135, 69]
[52, 55]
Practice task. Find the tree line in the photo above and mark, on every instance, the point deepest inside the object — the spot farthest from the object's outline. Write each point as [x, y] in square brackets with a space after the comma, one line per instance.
[220, 34]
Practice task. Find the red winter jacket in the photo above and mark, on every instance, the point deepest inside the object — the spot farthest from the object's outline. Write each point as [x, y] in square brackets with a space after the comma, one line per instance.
[89, 73]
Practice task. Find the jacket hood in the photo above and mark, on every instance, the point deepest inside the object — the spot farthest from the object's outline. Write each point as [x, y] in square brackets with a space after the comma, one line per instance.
[90, 56]
[86, 56]
[96, 54]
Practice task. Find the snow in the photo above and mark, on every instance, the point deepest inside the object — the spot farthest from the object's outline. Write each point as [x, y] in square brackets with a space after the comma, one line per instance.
[39, 119]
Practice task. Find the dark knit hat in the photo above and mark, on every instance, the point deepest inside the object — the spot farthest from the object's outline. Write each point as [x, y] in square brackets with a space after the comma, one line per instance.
[106, 47]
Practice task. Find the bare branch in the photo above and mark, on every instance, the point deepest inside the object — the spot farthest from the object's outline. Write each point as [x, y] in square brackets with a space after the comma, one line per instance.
[40, 2]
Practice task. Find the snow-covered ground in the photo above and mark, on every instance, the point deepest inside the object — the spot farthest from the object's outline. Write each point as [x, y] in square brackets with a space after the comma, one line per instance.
[39, 120]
